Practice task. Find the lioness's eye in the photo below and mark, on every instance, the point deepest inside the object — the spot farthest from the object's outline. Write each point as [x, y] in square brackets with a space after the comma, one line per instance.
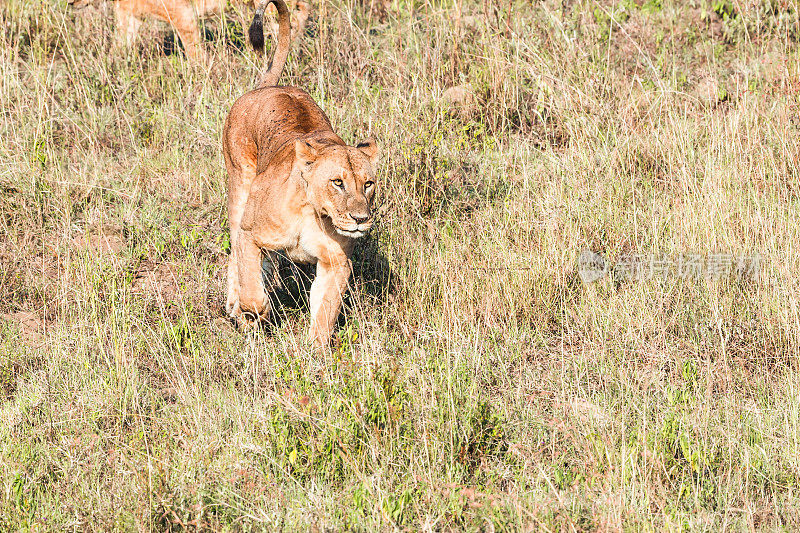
[369, 184]
[338, 183]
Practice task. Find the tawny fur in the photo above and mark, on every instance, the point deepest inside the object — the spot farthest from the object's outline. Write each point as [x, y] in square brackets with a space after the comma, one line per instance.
[183, 15]
[293, 186]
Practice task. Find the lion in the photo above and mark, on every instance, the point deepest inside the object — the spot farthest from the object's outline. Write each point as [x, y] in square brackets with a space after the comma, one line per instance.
[183, 16]
[294, 187]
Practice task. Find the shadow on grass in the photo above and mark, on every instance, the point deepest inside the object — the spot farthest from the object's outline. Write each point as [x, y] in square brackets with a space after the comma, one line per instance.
[372, 283]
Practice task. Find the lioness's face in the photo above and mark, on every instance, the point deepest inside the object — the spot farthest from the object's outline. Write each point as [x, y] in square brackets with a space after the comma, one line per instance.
[340, 183]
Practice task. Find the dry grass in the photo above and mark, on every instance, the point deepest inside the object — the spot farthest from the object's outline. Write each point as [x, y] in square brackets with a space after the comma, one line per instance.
[477, 384]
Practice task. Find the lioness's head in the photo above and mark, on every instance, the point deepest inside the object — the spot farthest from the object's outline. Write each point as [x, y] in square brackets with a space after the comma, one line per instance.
[340, 182]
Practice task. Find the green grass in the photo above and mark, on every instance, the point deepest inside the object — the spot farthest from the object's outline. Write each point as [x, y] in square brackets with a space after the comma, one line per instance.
[476, 383]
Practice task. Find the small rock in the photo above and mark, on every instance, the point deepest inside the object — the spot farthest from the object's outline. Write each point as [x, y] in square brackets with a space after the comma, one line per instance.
[707, 91]
[101, 244]
[29, 324]
[588, 412]
[458, 96]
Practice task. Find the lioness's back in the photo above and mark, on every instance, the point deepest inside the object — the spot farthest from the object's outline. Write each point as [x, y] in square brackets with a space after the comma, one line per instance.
[271, 117]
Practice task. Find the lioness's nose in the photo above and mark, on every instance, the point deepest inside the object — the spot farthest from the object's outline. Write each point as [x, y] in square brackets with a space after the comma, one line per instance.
[359, 218]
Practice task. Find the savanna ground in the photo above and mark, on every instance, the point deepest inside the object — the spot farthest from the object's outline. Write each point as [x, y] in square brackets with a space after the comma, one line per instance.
[475, 383]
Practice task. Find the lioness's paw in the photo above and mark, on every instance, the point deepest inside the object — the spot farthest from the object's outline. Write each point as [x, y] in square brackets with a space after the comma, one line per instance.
[244, 322]
[320, 337]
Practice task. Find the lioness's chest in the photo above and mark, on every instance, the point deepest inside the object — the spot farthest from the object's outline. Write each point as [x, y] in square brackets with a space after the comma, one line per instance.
[300, 242]
[300, 254]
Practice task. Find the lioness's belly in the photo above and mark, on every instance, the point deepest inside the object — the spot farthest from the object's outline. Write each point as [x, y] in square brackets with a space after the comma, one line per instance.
[162, 8]
[203, 8]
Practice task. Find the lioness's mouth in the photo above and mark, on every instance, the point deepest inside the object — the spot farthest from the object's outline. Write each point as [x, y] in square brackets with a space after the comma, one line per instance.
[354, 234]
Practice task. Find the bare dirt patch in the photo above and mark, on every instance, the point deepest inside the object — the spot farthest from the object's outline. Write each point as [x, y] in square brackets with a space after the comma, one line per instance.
[101, 243]
[29, 325]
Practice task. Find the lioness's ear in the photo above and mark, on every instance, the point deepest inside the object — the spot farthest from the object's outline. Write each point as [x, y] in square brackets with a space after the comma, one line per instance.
[370, 149]
[304, 152]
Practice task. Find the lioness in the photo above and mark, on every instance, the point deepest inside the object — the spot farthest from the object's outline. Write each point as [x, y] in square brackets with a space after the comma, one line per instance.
[182, 15]
[293, 186]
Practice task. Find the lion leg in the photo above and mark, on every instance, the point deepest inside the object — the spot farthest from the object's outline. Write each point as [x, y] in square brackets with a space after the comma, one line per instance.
[241, 173]
[326, 299]
[182, 17]
[127, 22]
[253, 298]
[232, 301]
[300, 10]
[302, 13]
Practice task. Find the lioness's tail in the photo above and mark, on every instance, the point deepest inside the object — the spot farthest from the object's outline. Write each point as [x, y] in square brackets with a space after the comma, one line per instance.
[275, 68]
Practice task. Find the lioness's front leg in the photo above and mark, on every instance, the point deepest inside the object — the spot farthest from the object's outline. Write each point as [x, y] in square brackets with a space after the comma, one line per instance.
[182, 17]
[240, 160]
[127, 22]
[253, 298]
[326, 298]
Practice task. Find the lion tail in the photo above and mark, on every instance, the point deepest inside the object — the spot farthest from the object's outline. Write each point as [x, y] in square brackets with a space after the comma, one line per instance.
[275, 69]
